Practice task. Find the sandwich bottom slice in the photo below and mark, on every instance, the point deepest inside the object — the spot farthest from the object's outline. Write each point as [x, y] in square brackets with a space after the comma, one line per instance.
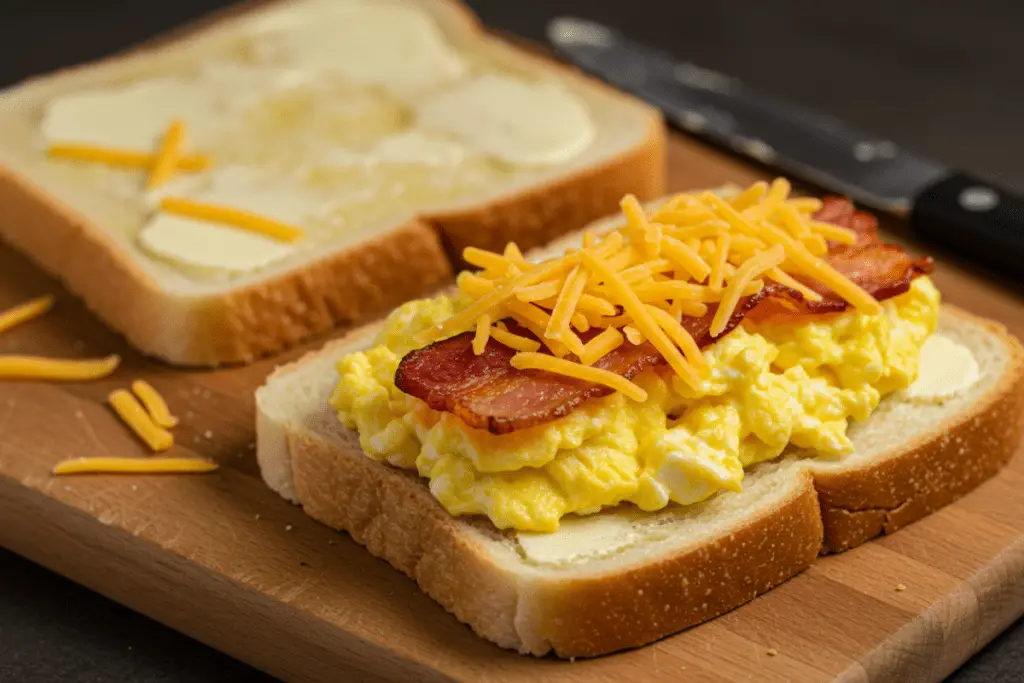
[623, 578]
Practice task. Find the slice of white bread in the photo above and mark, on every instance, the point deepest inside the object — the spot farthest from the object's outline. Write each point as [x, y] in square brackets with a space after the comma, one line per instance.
[59, 218]
[666, 571]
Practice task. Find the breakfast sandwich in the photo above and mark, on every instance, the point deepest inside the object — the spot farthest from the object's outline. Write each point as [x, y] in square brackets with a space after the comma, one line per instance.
[648, 424]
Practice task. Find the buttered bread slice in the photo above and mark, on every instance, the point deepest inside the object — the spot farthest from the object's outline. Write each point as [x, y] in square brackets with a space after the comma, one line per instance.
[622, 578]
[584, 502]
[302, 165]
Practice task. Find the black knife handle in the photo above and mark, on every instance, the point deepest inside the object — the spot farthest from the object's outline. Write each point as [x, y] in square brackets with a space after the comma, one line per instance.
[972, 217]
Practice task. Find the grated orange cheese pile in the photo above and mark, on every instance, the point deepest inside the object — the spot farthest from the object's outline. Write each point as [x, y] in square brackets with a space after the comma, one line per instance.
[637, 282]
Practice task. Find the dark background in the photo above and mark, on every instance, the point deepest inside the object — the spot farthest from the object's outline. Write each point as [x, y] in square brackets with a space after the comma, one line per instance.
[945, 78]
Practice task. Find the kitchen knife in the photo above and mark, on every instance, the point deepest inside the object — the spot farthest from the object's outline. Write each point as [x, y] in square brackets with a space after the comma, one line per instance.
[945, 206]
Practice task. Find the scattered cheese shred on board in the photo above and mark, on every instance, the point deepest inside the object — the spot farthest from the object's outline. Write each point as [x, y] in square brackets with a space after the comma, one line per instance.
[22, 313]
[135, 416]
[36, 367]
[105, 465]
[236, 218]
[154, 403]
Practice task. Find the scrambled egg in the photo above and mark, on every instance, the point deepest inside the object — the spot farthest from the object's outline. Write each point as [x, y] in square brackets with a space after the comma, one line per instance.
[770, 386]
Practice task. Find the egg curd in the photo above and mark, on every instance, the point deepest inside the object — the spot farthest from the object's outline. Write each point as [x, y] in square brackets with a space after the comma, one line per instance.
[769, 386]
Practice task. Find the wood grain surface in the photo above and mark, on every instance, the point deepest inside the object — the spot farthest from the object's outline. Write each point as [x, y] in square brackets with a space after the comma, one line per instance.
[226, 561]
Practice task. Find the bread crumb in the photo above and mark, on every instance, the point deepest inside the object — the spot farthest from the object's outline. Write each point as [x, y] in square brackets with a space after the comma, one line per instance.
[79, 414]
[572, 659]
[257, 516]
[900, 587]
[288, 527]
[208, 434]
[135, 487]
[772, 652]
[331, 542]
[252, 446]
[189, 414]
[67, 488]
[196, 391]
[206, 393]
[639, 591]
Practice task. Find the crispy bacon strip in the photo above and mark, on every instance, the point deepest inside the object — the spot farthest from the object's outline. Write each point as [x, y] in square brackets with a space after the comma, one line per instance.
[486, 392]
[883, 270]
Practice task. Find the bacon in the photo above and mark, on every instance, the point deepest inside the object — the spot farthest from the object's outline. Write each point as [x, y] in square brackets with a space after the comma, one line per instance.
[883, 270]
[486, 392]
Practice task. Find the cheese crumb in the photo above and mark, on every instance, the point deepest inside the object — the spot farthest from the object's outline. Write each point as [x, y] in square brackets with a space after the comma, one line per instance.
[900, 587]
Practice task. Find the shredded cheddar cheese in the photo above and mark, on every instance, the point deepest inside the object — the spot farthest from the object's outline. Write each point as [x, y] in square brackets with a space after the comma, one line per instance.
[524, 360]
[168, 156]
[22, 313]
[638, 283]
[483, 332]
[135, 416]
[235, 218]
[123, 158]
[105, 465]
[513, 341]
[154, 403]
[35, 367]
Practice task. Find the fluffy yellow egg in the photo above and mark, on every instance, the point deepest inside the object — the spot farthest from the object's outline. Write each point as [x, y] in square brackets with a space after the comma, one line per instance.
[770, 387]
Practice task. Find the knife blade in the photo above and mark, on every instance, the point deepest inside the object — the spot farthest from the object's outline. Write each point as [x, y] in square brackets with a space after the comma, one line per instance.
[948, 207]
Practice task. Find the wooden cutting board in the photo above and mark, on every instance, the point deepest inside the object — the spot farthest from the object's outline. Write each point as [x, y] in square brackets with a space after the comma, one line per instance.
[226, 561]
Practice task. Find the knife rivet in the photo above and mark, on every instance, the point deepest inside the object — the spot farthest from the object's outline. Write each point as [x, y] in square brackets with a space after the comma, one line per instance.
[978, 198]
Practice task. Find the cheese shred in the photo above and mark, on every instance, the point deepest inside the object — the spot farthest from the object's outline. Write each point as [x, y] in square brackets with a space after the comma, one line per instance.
[235, 218]
[168, 156]
[154, 403]
[135, 416]
[640, 282]
[104, 465]
[68, 370]
[538, 361]
[22, 313]
[123, 158]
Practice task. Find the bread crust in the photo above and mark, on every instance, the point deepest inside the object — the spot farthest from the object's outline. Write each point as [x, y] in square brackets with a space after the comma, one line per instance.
[601, 614]
[246, 323]
[933, 471]
[392, 513]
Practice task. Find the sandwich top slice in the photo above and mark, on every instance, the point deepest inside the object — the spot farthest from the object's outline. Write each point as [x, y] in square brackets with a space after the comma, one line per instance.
[304, 163]
[646, 412]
